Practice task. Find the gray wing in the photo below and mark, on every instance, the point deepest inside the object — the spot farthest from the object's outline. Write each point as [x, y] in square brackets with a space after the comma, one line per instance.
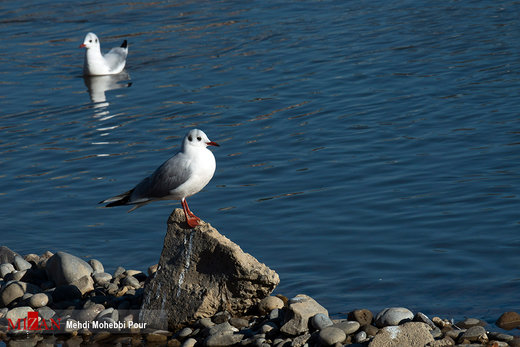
[171, 174]
[116, 58]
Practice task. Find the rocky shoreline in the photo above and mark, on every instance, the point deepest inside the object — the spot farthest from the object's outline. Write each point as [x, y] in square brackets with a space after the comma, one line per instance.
[78, 303]
[204, 291]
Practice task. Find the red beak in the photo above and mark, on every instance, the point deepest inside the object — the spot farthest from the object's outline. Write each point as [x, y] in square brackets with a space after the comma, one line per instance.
[82, 45]
[212, 144]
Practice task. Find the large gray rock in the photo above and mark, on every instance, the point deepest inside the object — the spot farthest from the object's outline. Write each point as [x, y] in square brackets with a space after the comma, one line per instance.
[64, 268]
[411, 334]
[200, 273]
[301, 308]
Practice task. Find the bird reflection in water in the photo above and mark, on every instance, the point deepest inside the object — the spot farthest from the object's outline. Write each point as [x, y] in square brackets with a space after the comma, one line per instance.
[99, 85]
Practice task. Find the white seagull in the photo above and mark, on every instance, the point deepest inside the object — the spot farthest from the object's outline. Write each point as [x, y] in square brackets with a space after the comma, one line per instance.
[98, 64]
[181, 176]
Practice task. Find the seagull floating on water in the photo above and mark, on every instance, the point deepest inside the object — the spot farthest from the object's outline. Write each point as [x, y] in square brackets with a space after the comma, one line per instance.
[96, 63]
[181, 176]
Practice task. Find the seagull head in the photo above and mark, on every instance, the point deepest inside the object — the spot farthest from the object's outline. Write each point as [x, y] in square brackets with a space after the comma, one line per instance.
[197, 138]
[91, 40]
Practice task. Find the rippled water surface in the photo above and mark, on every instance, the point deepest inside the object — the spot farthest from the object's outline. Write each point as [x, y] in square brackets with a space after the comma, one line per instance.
[369, 149]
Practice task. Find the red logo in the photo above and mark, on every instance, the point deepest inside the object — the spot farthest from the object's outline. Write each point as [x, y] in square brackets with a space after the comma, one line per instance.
[32, 322]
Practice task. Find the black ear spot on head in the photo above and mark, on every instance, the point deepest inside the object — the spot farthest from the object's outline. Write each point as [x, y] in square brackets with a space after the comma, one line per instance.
[190, 138]
[96, 40]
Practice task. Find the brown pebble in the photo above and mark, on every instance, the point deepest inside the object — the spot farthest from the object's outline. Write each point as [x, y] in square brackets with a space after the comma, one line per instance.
[174, 343]
[370, 329]
[153, 337]
[363, 316]
[508, 320]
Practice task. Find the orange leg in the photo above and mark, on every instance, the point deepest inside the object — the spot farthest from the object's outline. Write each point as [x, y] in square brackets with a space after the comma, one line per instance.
[191, 219]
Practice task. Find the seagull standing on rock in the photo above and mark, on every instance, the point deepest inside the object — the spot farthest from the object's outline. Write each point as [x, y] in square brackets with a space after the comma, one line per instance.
[97, 64]
[181, 176]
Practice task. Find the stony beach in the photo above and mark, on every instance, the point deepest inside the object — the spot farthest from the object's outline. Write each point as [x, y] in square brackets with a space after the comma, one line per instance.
[59, 298]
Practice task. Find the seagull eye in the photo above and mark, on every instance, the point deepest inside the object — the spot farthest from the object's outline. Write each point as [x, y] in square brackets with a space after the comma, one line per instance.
[199, 138]
[90, 41]
[190, 138]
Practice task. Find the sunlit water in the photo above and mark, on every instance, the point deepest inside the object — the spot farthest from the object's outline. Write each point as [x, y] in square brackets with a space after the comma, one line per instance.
[369, 150]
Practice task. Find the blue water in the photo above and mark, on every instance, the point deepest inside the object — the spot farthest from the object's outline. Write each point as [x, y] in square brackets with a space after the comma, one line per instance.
[369, 149]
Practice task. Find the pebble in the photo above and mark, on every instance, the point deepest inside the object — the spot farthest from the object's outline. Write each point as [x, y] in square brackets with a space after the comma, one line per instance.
[18, 313]
[348, 327]
[206, 322]
[360, 337]
[155, 337]
[239, 323]
[474, 334]
[191, 342]
[421, 317]
[11, 292]
[223, 340]
[267, 327]
[185, 332]
[131, 281]
[363, 316]
[393, 316]
[508, 320]
[269, 303]
[96, 266]
[119, 271]
[21, 264]
[39, 300]
[46, 312]
[222, 328]
[320, 321]
[6, 269]
[330, 336]
[64, 268]
[470, 322]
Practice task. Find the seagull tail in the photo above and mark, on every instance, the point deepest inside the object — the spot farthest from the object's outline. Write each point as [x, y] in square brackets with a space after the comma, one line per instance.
[124, 44]
[118, 200]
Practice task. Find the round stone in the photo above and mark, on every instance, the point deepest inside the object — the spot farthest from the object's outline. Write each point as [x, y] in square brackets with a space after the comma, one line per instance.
[362, 316]
[330, 336]
[64, 268]
[154, 337]
[21, 264]
[185, 332]
[6, 269]
[320, 321]
[239, 323]
[96, 265]
[11, 292]
[131, 281]
[475, 333]
[393, 316]
[223, 340]
[101, 277]
[508, 320]
[269, 303]
[18, 313]
[119, 271]
[39, 300]
[206, 322]
[189, 342]
[348, 326]
[360, 337]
